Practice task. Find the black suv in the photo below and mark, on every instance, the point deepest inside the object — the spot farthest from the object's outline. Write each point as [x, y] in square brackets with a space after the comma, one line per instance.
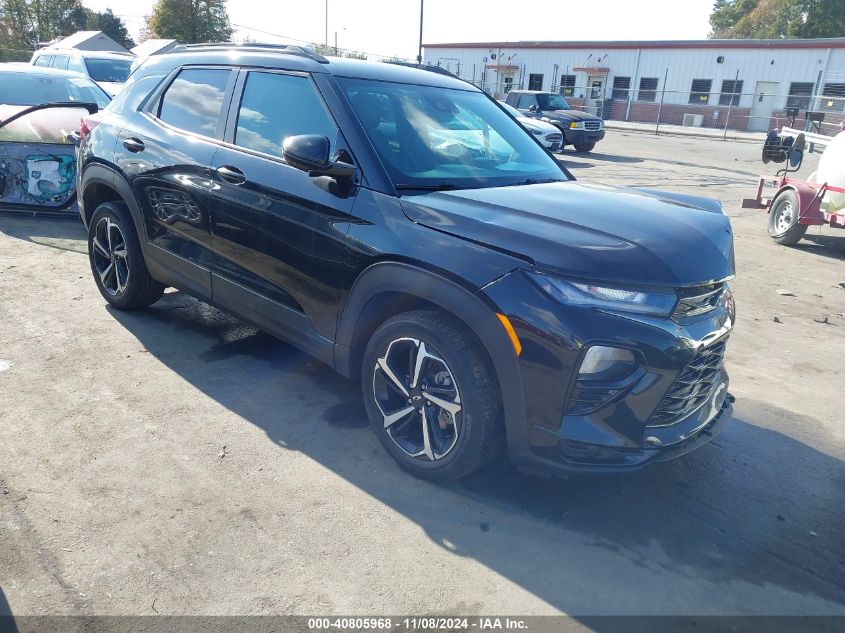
[580, 129]
[400, 226]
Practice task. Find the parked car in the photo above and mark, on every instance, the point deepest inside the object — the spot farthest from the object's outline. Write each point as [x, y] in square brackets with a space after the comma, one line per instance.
[108, 69]
[581, 129]
[546, 133]
[483, 299]
[40, 114]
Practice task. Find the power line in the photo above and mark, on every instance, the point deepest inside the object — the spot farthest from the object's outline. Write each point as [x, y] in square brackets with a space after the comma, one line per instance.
[308, 42]
[284, 37]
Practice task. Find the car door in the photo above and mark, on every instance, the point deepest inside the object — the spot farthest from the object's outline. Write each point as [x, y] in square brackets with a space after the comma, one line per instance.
[278, 233]
[526, 101]
[165, 151]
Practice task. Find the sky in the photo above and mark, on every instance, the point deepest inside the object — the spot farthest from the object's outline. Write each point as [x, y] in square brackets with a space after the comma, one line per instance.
[391, 27]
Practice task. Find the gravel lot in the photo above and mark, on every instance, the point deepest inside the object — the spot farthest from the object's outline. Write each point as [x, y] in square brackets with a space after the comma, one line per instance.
[177, 461]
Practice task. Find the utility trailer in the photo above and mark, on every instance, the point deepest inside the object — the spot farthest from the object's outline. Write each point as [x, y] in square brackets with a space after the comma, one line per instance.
[796, 204]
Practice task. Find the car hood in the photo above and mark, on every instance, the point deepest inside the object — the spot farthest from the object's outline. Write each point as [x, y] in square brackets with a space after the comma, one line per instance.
[569, 115]
[546, 128]
[588, 231]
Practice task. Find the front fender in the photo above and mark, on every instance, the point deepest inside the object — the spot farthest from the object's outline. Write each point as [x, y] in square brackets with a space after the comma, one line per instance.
[397, 277]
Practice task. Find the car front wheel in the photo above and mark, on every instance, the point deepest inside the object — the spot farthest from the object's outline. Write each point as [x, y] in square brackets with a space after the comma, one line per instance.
[430, 395]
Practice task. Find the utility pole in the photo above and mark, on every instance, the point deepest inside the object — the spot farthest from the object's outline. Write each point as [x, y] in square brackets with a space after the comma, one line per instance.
[327, 25]
[419, 50]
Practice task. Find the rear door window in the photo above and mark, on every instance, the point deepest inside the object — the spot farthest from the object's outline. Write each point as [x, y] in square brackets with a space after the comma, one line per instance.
[275, 106]
[60, 61]
[75, 64]
[194, 99]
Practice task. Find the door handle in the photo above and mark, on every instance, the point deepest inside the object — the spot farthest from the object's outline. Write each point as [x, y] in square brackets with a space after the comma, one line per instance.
[231, 174]
[133, 144]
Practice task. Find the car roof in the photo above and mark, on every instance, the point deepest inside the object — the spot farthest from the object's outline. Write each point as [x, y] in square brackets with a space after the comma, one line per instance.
[28, 69]
[302, 59]
[84, 53]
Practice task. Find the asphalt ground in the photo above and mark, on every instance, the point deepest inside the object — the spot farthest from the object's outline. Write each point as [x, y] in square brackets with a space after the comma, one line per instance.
[178, 461]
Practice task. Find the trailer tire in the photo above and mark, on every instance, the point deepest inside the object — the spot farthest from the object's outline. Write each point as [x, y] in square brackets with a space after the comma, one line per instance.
[784, 227]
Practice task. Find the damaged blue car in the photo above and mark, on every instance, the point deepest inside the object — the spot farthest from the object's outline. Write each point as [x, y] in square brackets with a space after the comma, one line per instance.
[41, 112]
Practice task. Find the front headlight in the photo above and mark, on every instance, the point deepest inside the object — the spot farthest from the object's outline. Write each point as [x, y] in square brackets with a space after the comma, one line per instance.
[536, 132]
[576, 125]
[599, 296]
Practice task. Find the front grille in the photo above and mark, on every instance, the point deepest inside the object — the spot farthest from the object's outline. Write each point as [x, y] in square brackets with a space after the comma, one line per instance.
[693, 386]
[592, 126]
[554, 138]
[698, 300]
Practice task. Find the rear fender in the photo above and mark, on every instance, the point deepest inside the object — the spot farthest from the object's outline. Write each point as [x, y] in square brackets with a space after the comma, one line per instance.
[809, 203]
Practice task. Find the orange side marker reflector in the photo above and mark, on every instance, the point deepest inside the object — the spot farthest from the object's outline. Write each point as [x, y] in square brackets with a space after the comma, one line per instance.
[517, 346]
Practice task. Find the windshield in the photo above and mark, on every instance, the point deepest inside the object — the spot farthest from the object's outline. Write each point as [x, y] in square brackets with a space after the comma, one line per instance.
[116, 70]
[34, 89]
[552, 102]
[429, 137]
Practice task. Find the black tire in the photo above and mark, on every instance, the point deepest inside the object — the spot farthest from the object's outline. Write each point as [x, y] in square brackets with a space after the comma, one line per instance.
[585, 148]
[476, 430]
[123, 253]
[783, 219]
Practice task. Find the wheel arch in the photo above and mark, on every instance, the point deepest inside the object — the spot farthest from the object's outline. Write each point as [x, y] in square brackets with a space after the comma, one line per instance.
[102, 184]
[389, 288]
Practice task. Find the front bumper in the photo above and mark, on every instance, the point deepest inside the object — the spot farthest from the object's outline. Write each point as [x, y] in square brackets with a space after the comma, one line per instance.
[624, 432]
[583, 137]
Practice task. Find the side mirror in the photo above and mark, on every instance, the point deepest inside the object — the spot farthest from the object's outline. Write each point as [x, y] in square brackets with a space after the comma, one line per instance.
[310, 153]
[533, 108]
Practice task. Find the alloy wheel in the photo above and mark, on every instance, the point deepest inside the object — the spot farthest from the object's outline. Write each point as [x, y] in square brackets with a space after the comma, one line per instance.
[110, 256]
[418, 398]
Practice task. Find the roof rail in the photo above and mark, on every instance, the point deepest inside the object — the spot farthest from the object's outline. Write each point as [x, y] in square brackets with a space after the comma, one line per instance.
[289, 49]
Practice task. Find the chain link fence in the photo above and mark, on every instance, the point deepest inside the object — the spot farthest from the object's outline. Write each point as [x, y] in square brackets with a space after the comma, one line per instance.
[814, 106]
[14, 55]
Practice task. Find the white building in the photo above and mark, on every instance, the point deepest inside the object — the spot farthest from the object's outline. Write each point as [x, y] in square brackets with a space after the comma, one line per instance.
[755, 79]
[89, 41]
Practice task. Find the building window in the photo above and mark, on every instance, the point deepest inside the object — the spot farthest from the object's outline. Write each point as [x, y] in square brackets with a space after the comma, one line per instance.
[799, 95]
[833, 97]
[567, 85]
[731, 92]
[535, 81]
[648, 89]
[700, 91]
[621, 87]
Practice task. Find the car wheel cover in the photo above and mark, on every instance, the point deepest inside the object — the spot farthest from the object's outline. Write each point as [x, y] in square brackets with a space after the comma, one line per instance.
[111, 259]
[418, 398]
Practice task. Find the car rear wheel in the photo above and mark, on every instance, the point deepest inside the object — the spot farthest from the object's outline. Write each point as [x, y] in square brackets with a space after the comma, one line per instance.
[783, 219]
[117, 263]
[431, 396]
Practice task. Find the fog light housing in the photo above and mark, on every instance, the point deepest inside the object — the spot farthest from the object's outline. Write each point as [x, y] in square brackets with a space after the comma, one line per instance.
[606, 364]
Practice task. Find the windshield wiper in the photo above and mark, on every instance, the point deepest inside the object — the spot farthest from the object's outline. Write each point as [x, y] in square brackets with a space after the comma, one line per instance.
[438, 186]
[536, 181]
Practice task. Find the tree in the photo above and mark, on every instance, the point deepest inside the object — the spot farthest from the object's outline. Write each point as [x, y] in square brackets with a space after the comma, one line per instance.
[111, 25]
[778, 19]
[190, 21]
[25, 23]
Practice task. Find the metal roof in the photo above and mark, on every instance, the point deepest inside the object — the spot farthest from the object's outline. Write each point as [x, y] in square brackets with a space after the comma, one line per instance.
[832, 42]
